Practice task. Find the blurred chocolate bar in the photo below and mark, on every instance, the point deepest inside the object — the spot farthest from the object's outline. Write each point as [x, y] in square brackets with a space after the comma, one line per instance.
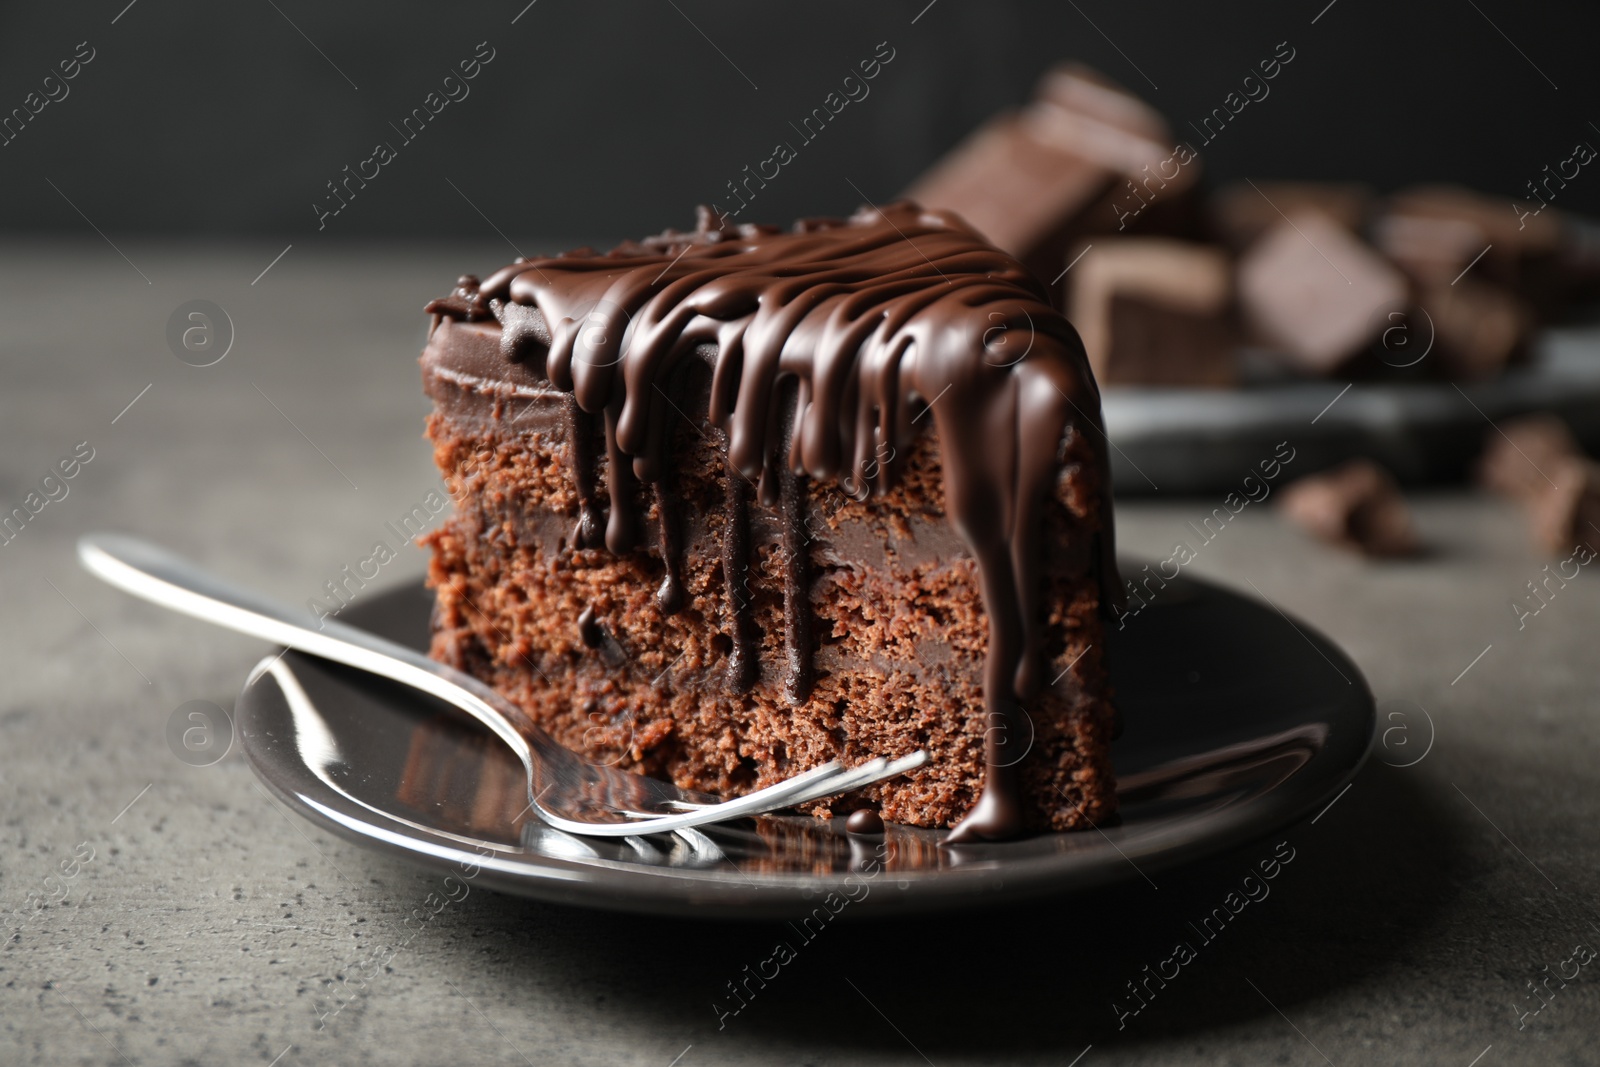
[1241, 212]
[1435, 232]
[1329, 277]
[1478, 327]
[1438, 233]
[1315, 293]
[1566, 514]
[1356, 506]
[1537, 462]
[1517, 453]
[1084, 157]
[1153, 311]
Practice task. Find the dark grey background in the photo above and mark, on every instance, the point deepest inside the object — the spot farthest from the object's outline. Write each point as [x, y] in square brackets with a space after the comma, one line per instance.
[602, 120]
[212, 922]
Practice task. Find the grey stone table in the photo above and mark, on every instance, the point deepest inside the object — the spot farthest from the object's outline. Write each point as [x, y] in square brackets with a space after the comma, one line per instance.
[193, 920]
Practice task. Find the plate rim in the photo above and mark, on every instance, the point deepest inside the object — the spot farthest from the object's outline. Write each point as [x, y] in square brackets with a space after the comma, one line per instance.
[687, 891]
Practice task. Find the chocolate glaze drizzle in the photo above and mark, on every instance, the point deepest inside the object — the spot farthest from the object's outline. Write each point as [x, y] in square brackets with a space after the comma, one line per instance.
[742, 665]
[580, 437]
[589, 629]
[797, 676]
[823, 344]
[669, 597]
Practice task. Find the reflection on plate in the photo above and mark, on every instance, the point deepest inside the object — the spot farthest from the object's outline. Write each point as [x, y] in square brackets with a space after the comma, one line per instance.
[1236, 723]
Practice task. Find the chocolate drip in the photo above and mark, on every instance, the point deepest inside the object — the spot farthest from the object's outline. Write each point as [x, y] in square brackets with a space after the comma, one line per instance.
[589, 630]
[669, 597]
[589, 532]
[864, 821]
[796, 549]
[742, 665]
[622, 525]
[875, 318]
[797, 676]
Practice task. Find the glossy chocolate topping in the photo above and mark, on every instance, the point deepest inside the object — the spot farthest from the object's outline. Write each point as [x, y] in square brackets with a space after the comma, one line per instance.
[826, 347]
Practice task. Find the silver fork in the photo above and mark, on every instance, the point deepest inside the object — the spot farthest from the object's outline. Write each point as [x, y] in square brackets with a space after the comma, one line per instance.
[567, 791]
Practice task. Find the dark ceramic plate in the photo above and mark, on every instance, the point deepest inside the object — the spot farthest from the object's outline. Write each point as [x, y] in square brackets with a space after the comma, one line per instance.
[1237, 722]
[1208, 440]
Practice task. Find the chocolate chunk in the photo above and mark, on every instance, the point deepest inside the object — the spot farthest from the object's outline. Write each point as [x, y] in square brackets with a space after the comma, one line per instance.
[1084, 157]
[1153, 311]
[1518, 456]
[1315, 293]
[1479, 327]
[1356, 506]
[1241, 212]
[1432, 251]
[1576, 266]
[1435, 233]
[1082, 90]
[1566, 513]
[1537, 461]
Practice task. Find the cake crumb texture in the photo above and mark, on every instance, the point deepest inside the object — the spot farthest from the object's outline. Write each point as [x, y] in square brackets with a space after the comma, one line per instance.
[899, 631]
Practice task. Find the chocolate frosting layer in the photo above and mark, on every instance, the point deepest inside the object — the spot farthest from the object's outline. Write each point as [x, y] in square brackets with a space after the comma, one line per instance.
[826, 346]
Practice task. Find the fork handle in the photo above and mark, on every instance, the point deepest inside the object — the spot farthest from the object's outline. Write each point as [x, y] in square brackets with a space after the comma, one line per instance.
[163, 578]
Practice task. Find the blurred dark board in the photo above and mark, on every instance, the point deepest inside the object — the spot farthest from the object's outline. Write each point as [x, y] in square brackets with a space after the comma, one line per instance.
[1209, 441]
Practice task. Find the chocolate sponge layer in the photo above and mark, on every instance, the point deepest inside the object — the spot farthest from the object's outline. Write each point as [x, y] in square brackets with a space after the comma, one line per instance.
[576, 637]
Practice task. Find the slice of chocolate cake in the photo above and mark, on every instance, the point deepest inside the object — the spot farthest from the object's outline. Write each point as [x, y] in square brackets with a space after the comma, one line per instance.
[734, 503]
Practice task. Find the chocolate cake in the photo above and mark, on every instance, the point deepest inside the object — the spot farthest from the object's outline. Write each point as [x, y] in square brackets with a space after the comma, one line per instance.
[732, 503]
